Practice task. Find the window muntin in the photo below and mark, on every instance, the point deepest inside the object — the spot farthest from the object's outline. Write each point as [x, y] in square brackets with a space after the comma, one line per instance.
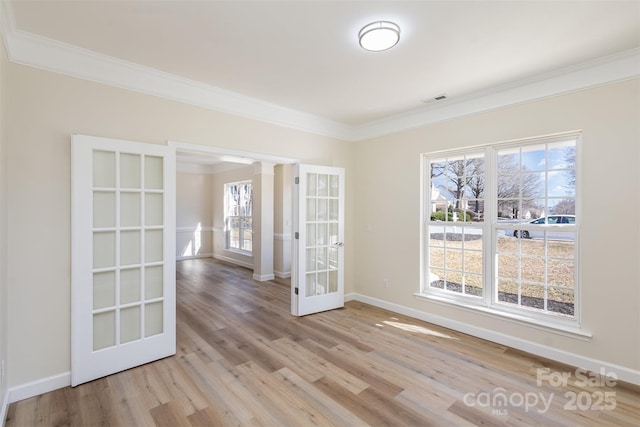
[456, 259]
[455, 237]
[537, 273]
[457, 187]
[524, 260]
[536, 180]
[238, 216]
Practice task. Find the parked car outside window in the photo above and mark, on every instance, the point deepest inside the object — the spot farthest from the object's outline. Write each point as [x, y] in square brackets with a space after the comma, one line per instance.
[552, 234]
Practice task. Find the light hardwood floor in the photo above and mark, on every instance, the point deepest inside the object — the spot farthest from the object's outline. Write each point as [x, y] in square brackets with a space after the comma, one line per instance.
[243, 360]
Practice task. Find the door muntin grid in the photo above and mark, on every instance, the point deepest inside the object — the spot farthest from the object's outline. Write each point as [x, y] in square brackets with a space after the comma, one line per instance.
[128, 236]
[322, 234]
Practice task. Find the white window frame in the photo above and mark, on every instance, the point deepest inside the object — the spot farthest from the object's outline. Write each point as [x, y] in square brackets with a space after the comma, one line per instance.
[228, 217]
[487, 303]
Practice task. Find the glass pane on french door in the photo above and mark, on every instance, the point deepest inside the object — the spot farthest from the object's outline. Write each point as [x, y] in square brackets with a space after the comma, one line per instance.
[128, 265]
[322, 239]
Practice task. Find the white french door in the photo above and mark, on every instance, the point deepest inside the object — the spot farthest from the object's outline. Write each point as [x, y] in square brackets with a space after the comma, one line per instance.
[317, 282]
[123, 258]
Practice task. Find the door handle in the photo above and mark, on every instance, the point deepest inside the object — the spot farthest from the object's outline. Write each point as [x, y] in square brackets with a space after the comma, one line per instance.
[339, 244]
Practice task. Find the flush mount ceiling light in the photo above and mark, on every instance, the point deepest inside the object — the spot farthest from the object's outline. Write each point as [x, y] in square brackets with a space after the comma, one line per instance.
[379, 35]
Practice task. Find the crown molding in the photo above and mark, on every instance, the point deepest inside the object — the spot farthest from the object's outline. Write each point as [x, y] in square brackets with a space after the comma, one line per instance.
[51, 55]
[599, 72]
[47, 54]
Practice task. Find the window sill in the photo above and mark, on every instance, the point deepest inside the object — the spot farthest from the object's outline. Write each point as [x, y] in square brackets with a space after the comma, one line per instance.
[572, 330]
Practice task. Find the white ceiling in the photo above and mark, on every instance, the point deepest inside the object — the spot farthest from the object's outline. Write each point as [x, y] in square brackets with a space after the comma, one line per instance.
[304, 55]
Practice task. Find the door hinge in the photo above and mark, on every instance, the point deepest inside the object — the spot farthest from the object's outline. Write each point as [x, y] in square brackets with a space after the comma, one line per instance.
[297, 235]
[297, 180]
[296, 291]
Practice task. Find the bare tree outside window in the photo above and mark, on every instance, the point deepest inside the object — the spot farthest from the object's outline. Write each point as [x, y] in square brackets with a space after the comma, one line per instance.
[517, 189]
[476, 184]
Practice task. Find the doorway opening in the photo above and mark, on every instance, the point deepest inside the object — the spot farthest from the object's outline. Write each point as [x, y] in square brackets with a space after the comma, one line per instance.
[203, 227]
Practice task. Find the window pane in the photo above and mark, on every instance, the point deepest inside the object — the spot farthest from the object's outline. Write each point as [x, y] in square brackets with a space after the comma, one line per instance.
[311, 235]
[104, 289]
[129, 285]
[561, 301]
[153, 171]
[153, 320]
[153, 211]
[334, 185]
[473, 261]
[564, 206]
[153, 282]
[508, 267]
[323, 188]
[104, 169]
[508, 291]
[436, 277]
[312, 184]
[533, 296]
[323, 234]
[455, 259]
[154, 246]
[436, 257]
[323, 210]
[533, 157]
[130, 209]
[130, 170]
[560, 272]
[473, 285]
[238, 210]
[533, 228]
[104, 209]
[129, 324]
[104, 249]
[104, 330]
[129, 247]
[532, 269]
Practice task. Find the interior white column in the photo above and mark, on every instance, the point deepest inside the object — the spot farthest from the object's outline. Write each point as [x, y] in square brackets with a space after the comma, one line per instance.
[263, 185]
[283, 211]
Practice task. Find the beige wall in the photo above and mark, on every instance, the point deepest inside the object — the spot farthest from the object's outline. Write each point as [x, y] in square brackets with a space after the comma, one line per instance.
[194, 215]
[388, 233]
[46, 108]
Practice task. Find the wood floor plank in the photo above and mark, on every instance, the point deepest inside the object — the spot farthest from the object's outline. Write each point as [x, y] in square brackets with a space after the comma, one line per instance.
[331, 409]
[386, 385]
[212, 380]
[181, 387]
[308, 362]
[205, 418]
[243, 360]
[168, 415]
[285, 406]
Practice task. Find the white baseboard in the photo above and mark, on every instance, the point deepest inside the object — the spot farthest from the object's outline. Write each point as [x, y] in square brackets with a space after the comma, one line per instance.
[233, 261]
[180, 258]
[38, 387]
[282, 274]
[624, 374]
[263, 277]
